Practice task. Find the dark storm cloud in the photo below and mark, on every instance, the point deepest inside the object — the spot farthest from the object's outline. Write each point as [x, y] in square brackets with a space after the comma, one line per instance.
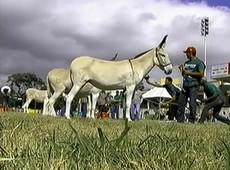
[37, 36]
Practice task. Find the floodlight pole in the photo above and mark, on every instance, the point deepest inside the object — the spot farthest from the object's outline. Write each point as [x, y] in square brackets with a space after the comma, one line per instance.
[205, 56]
[204, 33]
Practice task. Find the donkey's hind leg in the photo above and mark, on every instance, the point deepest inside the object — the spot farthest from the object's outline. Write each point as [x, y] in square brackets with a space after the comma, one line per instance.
[52, 101]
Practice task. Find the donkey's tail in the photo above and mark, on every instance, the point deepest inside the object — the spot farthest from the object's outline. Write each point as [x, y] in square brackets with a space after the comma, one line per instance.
[49, 88]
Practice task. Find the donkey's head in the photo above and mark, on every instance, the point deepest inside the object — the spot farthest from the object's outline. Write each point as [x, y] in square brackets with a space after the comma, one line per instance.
[161, 58]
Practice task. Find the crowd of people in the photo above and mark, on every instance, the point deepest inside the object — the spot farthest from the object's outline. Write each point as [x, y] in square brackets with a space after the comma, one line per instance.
[108, 103]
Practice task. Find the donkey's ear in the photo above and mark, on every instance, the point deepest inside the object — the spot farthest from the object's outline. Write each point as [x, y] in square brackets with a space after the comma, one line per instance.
[163, 42]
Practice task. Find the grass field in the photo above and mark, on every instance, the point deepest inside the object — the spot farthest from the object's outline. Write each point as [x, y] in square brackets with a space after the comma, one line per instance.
[41, 142]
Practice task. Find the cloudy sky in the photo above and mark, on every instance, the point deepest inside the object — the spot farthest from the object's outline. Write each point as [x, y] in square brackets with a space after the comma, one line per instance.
[39, 35]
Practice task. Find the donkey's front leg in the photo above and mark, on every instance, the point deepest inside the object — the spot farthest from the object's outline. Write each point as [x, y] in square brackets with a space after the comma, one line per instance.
[129, 95]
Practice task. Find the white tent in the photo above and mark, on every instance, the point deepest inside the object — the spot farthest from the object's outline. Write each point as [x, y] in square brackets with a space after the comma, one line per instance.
[157, 92]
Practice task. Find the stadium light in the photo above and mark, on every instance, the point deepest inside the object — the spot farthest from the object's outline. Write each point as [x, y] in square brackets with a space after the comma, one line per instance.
[205, 26]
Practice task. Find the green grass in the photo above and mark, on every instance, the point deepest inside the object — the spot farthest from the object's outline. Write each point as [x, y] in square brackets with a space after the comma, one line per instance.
[43, 142]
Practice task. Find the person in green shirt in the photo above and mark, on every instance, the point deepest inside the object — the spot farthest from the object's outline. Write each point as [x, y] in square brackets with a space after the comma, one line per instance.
[173, 91]
[214, 100]
[192, 71]
[116, 106]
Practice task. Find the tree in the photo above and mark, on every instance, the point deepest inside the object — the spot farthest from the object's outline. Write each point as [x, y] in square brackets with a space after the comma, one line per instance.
[21, 81]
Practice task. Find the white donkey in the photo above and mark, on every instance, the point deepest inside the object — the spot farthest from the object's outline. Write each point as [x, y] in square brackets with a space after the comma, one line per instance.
[39, 96]
[58, 81]
[113, 75]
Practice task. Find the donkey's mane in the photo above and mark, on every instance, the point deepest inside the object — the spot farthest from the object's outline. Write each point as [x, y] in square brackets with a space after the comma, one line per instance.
[138, 55]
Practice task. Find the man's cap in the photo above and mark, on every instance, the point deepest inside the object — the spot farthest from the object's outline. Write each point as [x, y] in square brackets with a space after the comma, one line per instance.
[190, 50]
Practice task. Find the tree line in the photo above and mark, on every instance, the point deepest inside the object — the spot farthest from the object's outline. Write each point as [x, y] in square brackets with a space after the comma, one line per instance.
[19, 83]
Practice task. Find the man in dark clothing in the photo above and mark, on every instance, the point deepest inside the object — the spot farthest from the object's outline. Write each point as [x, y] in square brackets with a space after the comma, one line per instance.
[84, 103]
[173, 91]
[192, 71]
[214, 100]
[116, 106]
[6, 99]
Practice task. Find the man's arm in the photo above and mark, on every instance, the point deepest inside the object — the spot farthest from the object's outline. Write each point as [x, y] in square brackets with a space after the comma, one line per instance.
[170, 101]
[210, 98]
[198, 74]
[153, 84]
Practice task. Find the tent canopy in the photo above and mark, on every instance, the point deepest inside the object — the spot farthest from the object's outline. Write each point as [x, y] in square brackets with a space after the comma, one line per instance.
[157, 92]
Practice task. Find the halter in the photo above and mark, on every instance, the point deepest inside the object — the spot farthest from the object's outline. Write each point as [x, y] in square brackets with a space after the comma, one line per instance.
[157, 56]
[160, 60]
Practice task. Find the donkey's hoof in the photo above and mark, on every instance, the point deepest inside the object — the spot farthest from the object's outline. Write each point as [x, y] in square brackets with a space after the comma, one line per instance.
[68, 117]
[129, 119]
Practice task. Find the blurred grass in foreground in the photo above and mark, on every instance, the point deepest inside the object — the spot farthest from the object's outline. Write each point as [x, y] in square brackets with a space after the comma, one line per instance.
[44, 142]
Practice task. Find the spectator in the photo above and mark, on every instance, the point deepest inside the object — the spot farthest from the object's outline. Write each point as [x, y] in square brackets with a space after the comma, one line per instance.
[116, 105]
[173, 91]
[123, 102]
[6, 98]
[109, 97]
[84, 101]
[214, 100]
[192, 71]
[109, 101]
[136, 103]
[101, 102]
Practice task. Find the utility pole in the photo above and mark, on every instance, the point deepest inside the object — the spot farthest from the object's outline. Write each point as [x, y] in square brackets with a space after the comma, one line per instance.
[204, 33]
